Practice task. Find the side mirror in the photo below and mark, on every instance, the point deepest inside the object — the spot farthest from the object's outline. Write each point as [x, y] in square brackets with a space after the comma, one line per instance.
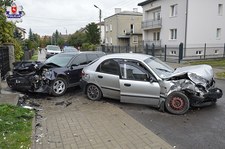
[151, 79]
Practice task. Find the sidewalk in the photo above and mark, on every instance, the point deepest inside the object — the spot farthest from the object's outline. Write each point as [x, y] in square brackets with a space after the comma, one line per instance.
[85, 124]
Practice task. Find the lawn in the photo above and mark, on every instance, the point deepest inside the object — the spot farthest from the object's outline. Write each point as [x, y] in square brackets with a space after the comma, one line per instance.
[213, 62]
[15, 127]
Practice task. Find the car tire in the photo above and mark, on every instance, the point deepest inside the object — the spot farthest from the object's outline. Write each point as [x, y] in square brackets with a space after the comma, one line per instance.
[59, 87]
[177, 103]
[93, 92]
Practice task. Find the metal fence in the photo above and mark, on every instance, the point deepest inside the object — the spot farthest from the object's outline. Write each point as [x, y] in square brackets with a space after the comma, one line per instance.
[176, 53]
[4, 61]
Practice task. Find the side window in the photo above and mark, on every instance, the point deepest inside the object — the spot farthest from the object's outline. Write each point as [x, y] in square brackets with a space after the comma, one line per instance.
[91, 57]
[80, 60]
[110, 67]
[133, 72]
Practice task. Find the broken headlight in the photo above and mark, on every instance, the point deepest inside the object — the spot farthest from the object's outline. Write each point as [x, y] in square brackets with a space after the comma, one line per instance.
[46, 74]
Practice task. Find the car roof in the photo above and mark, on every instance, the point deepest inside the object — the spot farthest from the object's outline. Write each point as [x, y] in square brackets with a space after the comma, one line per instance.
[135, 56]
[75, 53]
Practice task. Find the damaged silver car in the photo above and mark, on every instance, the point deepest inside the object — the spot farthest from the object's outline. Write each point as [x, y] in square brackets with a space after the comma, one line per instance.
[144, 79]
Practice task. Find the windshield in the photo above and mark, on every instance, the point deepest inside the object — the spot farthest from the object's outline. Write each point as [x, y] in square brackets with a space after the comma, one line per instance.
[159, 67]
[60, 59]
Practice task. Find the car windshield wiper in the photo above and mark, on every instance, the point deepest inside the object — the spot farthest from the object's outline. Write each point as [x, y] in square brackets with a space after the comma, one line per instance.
[161, 69]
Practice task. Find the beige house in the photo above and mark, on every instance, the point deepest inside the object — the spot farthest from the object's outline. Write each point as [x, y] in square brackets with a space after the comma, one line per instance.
[123, 28]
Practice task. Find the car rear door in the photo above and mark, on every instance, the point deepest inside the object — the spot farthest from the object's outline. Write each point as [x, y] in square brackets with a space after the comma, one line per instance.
[107, 76]
[136, 87]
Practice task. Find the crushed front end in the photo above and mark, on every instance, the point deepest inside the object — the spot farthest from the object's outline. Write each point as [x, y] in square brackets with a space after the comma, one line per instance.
[195, 87]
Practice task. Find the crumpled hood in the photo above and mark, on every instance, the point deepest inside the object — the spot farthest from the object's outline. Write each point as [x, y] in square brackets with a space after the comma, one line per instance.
[205, 71]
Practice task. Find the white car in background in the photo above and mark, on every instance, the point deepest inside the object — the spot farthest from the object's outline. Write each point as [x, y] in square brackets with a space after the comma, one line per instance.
[52, 50]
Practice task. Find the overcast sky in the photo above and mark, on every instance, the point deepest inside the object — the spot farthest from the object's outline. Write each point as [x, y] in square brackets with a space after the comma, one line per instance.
[67, 16]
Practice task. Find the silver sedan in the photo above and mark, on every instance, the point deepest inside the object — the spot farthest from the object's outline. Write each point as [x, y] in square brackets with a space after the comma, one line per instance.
[144, 79]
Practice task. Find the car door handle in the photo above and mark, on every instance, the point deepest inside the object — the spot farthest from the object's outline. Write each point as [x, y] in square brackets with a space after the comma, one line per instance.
[126, 84]
[100, 77]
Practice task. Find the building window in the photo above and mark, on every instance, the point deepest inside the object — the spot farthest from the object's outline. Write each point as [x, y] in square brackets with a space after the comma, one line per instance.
[216, 52]
[106, 28]
[135, 39]
[220, 9]
[156, 36]
[173, 12]
[132, 28]
[110, 27]
[111, 40]
[198, 52]
[173, 34]
[156, 15]
[173, 52]
[218, 33]
[106, 40]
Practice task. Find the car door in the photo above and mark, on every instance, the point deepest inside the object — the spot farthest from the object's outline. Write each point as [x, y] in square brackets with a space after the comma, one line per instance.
[136, 87]
[107, 76]
[75, 68]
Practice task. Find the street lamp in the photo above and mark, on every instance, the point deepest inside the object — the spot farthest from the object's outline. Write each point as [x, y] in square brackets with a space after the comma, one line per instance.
[100, 13]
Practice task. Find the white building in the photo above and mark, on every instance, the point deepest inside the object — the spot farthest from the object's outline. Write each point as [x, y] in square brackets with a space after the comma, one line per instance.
[192, 22]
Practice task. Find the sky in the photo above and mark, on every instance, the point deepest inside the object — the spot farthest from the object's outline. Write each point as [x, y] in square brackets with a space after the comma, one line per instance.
[44, 17]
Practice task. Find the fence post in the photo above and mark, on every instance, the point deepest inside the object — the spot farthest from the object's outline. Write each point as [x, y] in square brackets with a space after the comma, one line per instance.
[165, 53]
[204, 50]
[153, 49]
[146, 50]
[224, 50]
[181, 47]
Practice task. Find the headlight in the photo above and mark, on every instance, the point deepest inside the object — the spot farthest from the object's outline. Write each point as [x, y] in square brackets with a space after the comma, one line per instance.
[46, 74]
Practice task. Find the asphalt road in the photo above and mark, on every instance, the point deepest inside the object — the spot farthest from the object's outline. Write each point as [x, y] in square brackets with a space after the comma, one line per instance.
[200, 128]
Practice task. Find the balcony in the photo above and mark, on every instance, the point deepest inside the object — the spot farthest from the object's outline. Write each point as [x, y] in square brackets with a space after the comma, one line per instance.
[151, 24]
[157, 43]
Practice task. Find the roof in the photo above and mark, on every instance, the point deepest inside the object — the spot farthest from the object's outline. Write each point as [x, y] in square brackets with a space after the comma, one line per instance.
[132, 13]
[146, 2]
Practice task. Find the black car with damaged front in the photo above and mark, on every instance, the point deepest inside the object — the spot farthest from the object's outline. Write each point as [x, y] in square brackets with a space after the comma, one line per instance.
[54, 76]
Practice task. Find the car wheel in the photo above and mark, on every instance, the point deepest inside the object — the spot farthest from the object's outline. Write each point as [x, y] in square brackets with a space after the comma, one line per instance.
[93, 92]
[177, 103]
[59, 87]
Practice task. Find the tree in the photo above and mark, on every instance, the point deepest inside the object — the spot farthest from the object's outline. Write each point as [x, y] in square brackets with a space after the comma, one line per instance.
[77, 39]
[93, 33]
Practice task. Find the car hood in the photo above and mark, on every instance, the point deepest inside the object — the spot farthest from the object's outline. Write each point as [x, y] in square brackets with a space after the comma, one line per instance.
[205, 71]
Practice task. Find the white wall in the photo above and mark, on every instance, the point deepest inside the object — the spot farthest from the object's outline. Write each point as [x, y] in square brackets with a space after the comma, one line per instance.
[203, 21]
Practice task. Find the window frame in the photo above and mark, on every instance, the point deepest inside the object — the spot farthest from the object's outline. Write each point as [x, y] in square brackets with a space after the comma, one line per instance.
[173, 10]
[173, 34]
[218, 33]
[220, 9]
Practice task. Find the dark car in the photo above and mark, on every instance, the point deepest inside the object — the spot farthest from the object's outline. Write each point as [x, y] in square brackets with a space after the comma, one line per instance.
[58, 73]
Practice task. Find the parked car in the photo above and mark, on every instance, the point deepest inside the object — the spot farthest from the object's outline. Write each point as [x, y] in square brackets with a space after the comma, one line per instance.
[144, 79]
[69, 49]
[58, 73]
[52, 50]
